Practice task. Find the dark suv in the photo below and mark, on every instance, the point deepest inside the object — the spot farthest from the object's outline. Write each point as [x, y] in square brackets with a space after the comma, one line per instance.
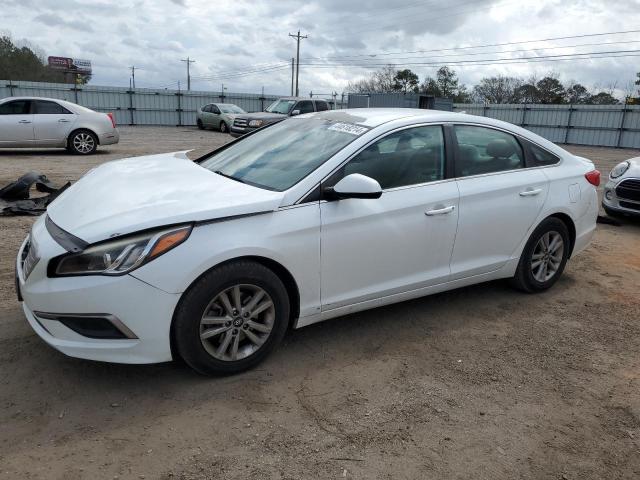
[277, 111]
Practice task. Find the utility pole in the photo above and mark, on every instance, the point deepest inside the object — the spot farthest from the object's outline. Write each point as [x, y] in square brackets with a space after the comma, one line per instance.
[189, 62]
[293, 73]
[298, 37]
[133, 76]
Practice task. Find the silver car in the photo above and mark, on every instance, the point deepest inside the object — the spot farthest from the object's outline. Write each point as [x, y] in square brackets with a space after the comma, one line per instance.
[27, 122]
[622, 191]
[218, 115]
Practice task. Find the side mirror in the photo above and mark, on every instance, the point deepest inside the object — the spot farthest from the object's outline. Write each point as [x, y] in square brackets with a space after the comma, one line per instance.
[354, 186]
[295, 112]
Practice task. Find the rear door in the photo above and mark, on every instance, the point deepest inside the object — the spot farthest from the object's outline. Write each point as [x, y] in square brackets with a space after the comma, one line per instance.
[499, 198]
[16, 123]
[399, 242]
[52, 122]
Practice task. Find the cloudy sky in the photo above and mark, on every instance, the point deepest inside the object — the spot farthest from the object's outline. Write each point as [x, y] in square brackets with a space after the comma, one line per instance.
[245, 44]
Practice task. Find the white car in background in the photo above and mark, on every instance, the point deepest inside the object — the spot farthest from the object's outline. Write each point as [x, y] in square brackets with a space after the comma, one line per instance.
[622, 191]
[34, 122]
[311, 218]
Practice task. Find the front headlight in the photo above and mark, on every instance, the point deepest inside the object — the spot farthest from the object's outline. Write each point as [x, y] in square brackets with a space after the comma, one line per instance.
[255, 123]
[119, 256]
[619, 170]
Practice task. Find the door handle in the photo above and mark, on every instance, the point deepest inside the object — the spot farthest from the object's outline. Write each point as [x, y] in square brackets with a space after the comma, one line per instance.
[24, 121]
[440, 211]
[530, 193]
[63, 120]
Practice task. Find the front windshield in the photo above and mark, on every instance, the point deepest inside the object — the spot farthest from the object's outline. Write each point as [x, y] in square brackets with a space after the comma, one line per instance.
[279, 156]
[231, 109]
[281, 106]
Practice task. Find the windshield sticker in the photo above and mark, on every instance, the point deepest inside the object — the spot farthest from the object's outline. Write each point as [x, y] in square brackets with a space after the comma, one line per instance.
[348, 128]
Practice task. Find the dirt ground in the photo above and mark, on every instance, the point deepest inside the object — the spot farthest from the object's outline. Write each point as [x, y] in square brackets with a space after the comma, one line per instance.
[482, 382]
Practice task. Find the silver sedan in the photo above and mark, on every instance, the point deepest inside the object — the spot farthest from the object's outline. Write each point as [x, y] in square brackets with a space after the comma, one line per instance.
[28, 122]
[218, 115]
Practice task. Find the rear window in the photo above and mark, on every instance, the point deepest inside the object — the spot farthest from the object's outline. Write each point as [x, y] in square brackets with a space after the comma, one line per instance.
[44, 107]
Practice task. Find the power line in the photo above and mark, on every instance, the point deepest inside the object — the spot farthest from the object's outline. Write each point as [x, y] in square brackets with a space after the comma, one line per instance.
[492, 62]
[477, 46]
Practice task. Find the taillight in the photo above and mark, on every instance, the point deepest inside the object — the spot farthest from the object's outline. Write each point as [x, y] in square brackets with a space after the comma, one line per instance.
[593, 177]
[112, 118]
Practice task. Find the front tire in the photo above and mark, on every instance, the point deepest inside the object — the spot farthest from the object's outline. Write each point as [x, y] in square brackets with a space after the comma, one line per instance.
[82, 142]
[231, 318]
[224, 128]
[544, 257]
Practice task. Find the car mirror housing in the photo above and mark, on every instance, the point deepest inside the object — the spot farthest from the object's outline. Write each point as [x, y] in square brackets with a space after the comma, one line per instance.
[295, 112]
[354, 186]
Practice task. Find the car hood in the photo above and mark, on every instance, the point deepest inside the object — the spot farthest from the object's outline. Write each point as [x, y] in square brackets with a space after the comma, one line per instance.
[134, 194]
[262, 116]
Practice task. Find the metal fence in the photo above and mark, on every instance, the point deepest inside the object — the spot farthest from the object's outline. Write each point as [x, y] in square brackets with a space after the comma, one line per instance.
[598, 125]
[140, 106]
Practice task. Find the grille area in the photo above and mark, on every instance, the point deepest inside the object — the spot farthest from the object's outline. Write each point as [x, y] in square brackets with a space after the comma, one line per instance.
[240, 122]
[629, 189]
[632, 206]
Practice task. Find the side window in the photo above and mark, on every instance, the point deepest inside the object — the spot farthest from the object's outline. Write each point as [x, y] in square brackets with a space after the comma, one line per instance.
[215, 109]
[17, 107]
[321, 106]
[305, 106]
[50, 108]
[542, 157]
[485, 150]
[408, 157]
[206, 108]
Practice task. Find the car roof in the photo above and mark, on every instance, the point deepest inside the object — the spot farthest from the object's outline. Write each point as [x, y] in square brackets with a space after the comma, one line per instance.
[373, 117]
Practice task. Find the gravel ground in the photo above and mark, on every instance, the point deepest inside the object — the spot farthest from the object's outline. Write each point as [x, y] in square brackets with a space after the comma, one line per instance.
[482, 382]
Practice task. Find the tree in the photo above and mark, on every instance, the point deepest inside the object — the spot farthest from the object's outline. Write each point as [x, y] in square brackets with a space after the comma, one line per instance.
[550, 90]
[27, 63]
[603, 98]
[446, 85]
[406, 81]
[526, 93]
[500, 89]
[382, 81]
[577, 93]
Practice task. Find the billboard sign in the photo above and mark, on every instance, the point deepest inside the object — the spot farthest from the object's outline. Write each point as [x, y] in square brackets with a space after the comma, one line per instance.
[76, 65]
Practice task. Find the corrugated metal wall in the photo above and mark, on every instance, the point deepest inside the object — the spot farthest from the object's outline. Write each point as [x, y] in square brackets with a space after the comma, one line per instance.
[140, 107]
[599, 125]
[396, 100]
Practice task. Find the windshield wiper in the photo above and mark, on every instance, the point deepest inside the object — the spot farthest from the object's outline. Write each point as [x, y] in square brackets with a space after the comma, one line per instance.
[229, 176]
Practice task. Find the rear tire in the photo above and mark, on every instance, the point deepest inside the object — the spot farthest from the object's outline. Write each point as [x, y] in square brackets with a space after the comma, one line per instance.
[231, 318]
[82, 142]
[544, 257]
[200, 124]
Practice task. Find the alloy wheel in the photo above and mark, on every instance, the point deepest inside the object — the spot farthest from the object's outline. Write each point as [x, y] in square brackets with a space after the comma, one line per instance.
[83, 142]
[237, 322]
[547, 256]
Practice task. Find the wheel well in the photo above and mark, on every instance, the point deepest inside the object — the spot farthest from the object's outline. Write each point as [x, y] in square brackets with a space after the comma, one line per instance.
[86, 130]
[566, 219]
[282, 273]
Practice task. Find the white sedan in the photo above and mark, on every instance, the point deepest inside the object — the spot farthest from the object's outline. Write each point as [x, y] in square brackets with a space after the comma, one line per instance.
[147, 259]
[622, 191]
[30, 122]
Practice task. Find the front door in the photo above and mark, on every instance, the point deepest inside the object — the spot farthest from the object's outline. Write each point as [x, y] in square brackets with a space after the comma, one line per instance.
[16, 123]
[499, 199]
[371, 248]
